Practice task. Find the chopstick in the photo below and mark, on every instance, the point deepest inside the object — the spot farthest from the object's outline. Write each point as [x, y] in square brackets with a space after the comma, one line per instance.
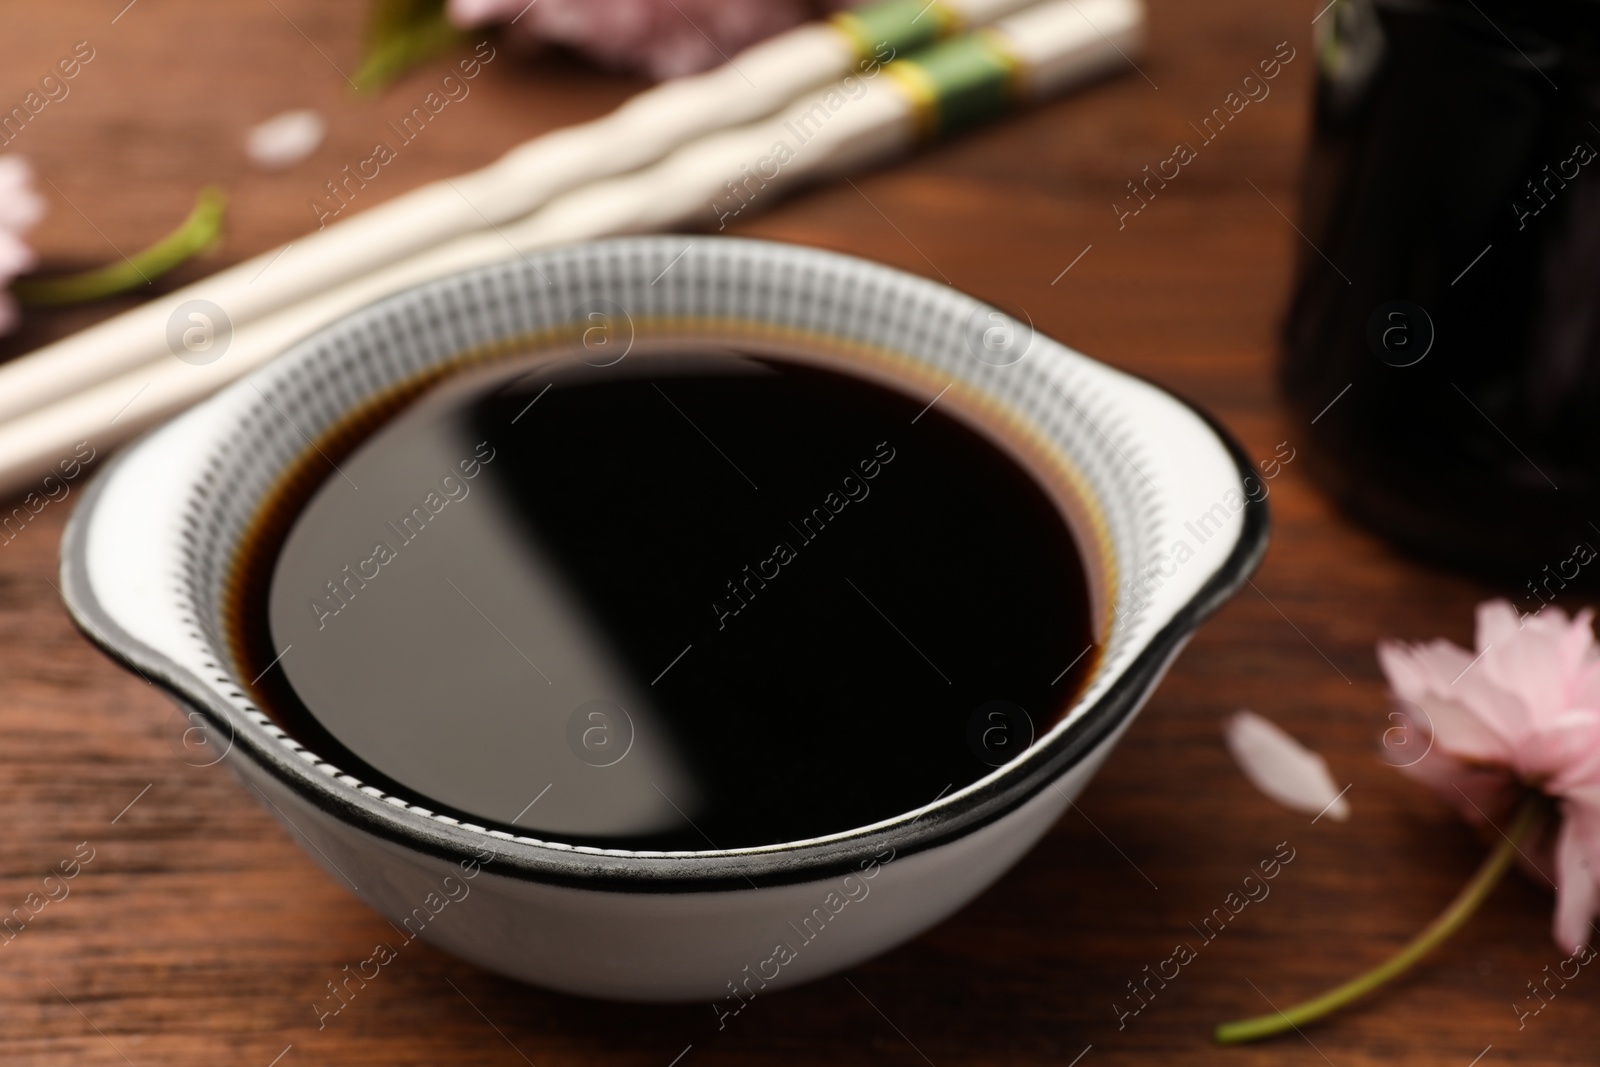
[755, 83]
[1029, 55]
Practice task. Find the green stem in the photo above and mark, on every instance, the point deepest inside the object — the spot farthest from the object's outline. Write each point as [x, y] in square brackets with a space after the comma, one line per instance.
[197, 233]
[1528, 817]
[402, 50]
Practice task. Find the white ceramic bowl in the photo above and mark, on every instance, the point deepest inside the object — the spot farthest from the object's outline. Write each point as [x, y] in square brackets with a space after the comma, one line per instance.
[1160, 500]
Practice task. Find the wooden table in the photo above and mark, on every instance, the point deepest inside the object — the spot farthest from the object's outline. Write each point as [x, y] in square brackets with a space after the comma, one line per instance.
[199, 934]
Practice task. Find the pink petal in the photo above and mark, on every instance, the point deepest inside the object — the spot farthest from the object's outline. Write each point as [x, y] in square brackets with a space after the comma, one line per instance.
[20, 207]
[1580, 775]
[1577, 876]
[1579, 640]
[1578, 653]
[15, 258]
[1561, 753]
[1542, 662]
[285, 139]
[1502, 711]
[1415, 671]
[1499, 622]
[1427, 677]
[1586, 685]
[1460, 731]
[1282, 768]
[664, 38]
[469, 13]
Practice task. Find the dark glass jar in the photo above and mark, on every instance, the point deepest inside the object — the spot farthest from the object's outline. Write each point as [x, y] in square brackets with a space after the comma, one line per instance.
[1443, 343]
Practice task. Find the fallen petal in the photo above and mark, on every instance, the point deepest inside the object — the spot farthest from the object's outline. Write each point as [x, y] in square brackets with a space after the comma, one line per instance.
[1282, 767]
[286, 139]
[21, 207]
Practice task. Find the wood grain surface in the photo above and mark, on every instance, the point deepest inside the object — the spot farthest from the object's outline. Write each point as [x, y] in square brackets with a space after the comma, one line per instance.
[199, 934]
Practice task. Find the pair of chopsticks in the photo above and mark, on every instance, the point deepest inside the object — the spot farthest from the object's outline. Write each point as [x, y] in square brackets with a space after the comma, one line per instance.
[852, 91]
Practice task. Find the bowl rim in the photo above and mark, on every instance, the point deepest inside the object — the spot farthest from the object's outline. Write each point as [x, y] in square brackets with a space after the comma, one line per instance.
[940, 821]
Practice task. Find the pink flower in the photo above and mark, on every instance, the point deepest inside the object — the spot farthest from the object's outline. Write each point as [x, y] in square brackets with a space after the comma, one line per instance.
[20, 209]
[660, 38]
[1522, 712]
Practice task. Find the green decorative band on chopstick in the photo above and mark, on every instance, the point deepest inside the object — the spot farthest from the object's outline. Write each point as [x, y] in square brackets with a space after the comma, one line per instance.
[959, 83]
[890, 28]
[197, 234]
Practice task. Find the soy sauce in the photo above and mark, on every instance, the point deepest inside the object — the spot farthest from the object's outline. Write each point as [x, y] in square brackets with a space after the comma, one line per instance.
[688, 601]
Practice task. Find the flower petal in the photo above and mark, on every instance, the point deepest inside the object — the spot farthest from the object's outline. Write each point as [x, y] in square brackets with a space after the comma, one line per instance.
[1577, 876]
[1499, 622]
[1580, 775]
[664, 38]
[469, 13]
[1421, 676]
[1540, 662]
[15, 258]
[1282, 768]
[1417, 670]
[1462, 732]
[20, 207]
[1560, 755]
[1586, 685]
[285, 139]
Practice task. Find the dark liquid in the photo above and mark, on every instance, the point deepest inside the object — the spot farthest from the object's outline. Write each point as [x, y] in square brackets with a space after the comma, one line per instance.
[682, 602]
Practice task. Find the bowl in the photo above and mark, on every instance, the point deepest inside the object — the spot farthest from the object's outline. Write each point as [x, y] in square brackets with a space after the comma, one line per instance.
[1167, 513]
